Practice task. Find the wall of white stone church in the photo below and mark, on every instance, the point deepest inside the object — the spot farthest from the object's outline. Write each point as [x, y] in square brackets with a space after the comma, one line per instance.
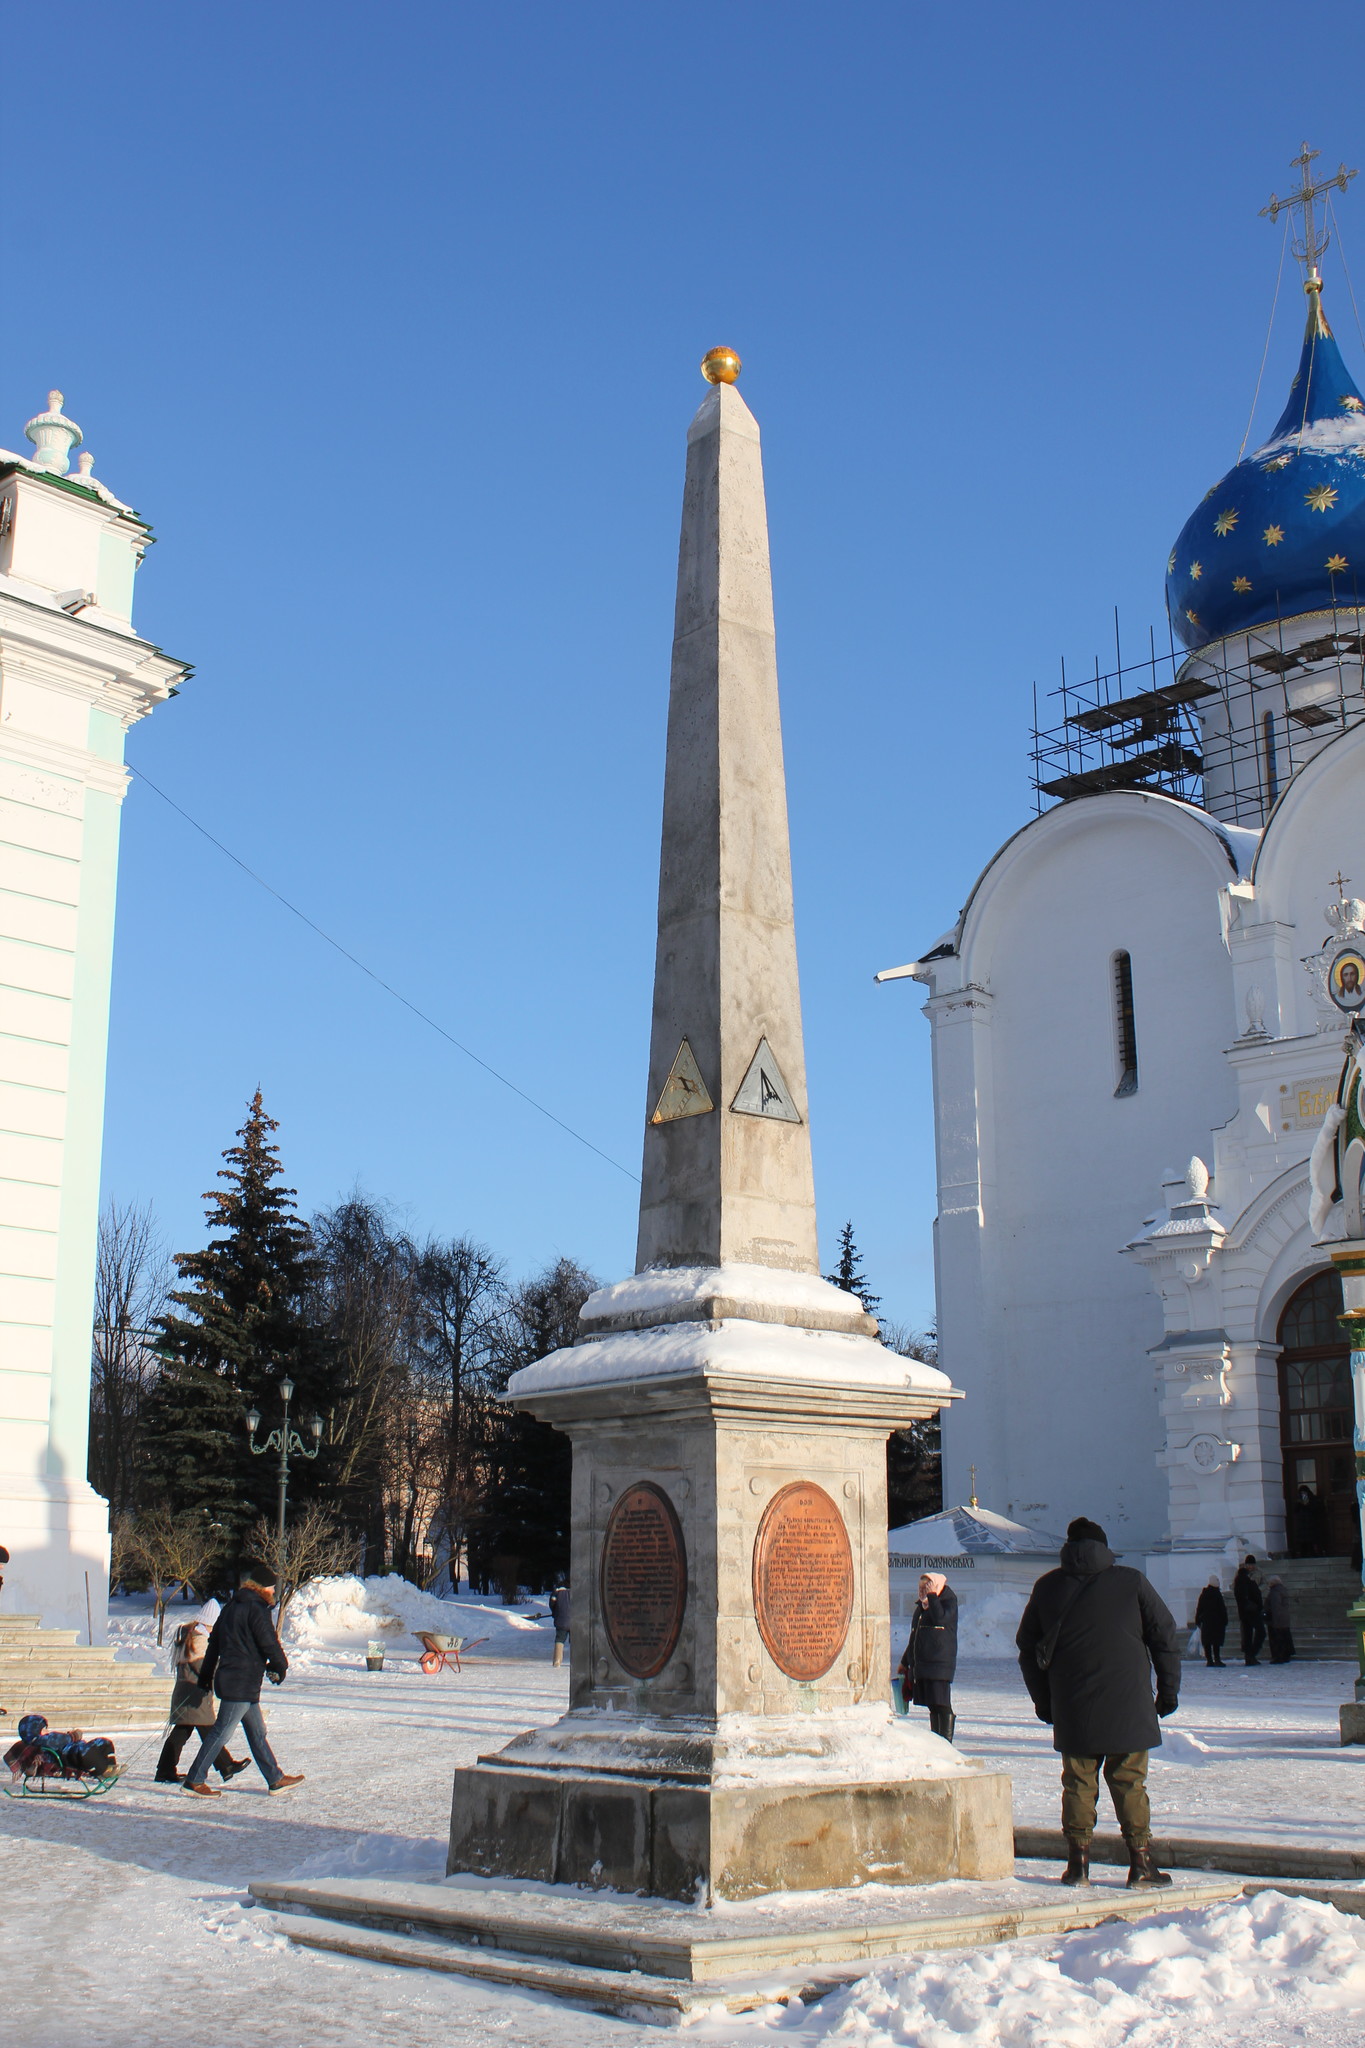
[1045, 1173]
[73, 678]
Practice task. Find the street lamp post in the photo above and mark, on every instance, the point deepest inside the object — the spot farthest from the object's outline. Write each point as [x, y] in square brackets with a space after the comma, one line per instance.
[286, 1441]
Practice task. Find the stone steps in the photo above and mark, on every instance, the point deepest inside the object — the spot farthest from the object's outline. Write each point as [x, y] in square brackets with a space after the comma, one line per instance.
[75, 1685]
[651, 1959]
[1320, 1590]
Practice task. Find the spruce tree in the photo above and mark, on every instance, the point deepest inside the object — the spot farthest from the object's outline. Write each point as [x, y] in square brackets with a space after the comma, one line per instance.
[849, 1275]
[248, 1321]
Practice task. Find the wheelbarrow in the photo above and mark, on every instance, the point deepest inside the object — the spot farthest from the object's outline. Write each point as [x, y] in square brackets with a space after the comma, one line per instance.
[440, 1652]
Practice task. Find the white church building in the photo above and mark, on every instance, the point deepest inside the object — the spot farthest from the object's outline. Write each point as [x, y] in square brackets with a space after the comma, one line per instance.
[74, 676]
[1134, 1047]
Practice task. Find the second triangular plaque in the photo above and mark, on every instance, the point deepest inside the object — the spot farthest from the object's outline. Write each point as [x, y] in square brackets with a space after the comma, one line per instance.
[684, 1093]
[763, 1092]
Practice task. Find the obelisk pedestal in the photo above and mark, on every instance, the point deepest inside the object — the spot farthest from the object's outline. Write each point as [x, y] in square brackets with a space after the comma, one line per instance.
[729, 1730]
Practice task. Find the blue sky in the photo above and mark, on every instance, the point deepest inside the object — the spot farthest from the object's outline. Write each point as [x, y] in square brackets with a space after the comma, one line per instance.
[388, 320]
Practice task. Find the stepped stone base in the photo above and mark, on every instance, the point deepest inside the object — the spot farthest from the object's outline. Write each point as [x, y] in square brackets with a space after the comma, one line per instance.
[679, 1840]
[46, 1671]
[647, 1959]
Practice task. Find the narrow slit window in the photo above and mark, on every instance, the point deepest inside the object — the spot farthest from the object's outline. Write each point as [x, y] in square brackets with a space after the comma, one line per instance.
[1272, 765]
[1125, 1027]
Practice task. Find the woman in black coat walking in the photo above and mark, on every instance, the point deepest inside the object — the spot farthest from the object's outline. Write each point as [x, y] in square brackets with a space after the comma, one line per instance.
[190, 1707]
[1211, 1620]
[929, 1665]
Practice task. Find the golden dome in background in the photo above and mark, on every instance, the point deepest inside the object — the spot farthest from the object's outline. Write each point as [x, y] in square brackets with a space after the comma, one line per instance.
[720, 366]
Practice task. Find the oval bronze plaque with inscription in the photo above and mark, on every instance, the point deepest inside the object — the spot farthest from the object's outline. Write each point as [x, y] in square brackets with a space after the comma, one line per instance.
[803, 1580]
[643, 1579]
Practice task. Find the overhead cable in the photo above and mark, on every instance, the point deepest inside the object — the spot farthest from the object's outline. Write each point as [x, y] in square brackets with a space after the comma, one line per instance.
[387, 986]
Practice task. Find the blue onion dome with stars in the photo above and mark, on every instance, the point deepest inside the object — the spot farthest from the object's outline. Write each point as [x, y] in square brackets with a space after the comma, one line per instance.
[1283, 533]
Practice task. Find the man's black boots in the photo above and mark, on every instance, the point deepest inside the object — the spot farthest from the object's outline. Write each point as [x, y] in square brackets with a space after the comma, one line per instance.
[1078, 1862]
[1142, 1871]
[948, 1725]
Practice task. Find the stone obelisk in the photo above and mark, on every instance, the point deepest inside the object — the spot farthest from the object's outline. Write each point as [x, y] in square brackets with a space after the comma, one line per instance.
[729, 1729]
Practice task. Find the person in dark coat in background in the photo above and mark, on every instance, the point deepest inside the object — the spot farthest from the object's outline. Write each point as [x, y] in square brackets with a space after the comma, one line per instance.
[929, 1665]
[1310, 1524]
[1211, 1620]
[1277, 1622]
[1091, 1634]
[560, 1609]
[191, 1707]
[243, 1647]
[1250, 1609]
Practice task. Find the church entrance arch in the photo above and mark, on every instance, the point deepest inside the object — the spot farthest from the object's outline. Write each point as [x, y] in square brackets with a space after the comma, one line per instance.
[1316, 1420]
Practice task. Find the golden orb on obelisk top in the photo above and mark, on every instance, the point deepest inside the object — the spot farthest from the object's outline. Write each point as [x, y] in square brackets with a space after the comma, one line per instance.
[720, 366]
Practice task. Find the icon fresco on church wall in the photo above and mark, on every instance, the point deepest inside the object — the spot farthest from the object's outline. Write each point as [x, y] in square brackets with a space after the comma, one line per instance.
[1346, 980]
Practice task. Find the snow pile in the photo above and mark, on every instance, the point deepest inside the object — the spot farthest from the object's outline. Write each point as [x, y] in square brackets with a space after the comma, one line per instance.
[987, 1623]
[1148, 1986]
[347, 1612]
[863, 1744]
[133, 1638]
[1179, 1747]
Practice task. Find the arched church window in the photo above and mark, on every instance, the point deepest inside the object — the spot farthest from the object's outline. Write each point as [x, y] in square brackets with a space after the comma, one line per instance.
[1272, 763]
[1125, 1025]
[1316, 1418]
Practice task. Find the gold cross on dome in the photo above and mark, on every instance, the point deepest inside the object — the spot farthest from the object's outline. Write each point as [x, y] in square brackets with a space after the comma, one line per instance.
[973, 1501]
[1343, 883]
[1309, 245]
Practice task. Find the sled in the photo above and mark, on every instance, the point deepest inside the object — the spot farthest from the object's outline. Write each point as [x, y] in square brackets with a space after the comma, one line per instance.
[440, 1652]
[54, 1786]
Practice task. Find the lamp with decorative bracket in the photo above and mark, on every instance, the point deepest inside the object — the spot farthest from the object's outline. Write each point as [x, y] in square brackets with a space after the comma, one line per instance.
[289, 1444]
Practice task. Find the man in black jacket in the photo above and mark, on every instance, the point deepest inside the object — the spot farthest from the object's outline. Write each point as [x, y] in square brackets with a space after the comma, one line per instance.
[1090, 1635]
[1246, 1591]
[242, 1649]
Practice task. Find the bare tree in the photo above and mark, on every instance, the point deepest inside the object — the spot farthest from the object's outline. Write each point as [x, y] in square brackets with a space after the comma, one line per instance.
[132, 1281]
[123, 1553]
[460, 1341]
[524, 1534]
[366, 1300]
[314, 1547]
[173, 1550]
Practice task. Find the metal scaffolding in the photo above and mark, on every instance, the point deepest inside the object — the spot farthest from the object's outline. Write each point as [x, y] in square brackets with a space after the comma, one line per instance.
[1226, 728]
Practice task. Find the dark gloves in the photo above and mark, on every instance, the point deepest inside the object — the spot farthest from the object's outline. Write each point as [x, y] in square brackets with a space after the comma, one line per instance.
[1166, 1703]
[275, 1677]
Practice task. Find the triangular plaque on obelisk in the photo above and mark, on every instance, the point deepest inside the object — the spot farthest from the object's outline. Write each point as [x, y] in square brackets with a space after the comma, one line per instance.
[763, 1092]
[684, 1093]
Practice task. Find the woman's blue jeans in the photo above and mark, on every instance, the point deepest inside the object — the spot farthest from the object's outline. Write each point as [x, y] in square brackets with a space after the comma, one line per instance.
[234, 1714]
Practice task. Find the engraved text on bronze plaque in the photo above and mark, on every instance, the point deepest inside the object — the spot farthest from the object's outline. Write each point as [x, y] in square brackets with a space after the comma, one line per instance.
[803, 1580]
[643, 1579]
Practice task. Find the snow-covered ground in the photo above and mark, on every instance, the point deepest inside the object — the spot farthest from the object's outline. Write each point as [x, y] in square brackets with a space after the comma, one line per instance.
[124, 1923]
